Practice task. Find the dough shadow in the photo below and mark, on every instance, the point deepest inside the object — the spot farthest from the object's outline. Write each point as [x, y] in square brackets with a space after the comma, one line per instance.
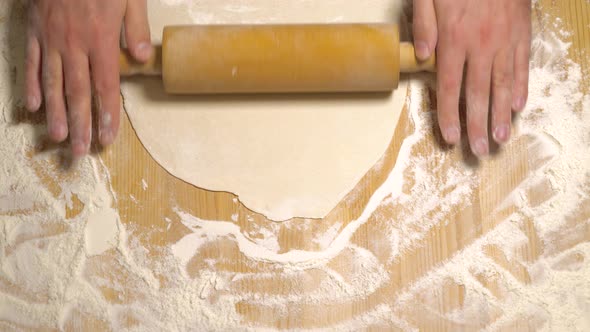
[153, 90]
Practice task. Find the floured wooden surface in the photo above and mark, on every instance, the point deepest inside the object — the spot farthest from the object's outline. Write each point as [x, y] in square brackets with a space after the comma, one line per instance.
[427, 240]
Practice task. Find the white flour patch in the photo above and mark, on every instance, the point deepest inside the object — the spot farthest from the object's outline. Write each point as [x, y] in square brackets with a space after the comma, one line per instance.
[101, 233]
[324, 239]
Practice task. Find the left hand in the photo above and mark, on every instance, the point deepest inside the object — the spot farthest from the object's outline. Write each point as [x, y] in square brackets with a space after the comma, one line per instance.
[73, 47]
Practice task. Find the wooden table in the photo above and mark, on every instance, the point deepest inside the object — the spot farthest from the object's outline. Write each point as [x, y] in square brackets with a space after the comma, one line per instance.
[151, 213]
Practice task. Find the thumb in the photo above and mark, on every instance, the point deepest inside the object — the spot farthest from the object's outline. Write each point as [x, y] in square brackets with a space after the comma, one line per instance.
[137, 30]
[425, 28]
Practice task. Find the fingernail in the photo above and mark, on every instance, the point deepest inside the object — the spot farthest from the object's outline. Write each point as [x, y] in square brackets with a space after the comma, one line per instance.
[58, 131]
[106, 120]
[481, 147]
[501, 133]
[518, 104]
[452, 135]
[144, 50]
[105, 135]
[422, 50]
[79, 148]
[32, 103]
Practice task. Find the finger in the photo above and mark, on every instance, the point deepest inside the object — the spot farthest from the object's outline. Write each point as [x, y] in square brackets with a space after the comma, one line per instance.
[33, 68]
[477, 92]
[77, 86]
[521, 75]
[137, 31]
[502, 80]
[55, 108]
[451, 60]
[425, 30]
[105, 69]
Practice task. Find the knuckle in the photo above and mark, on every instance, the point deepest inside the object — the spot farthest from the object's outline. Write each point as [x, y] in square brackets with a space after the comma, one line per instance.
[448, 25]
[32, 46]
[521, 76]
[77, 119]
[424, 31]
[449, 83]
[73, 93]
[105, 86]
[453, 25]
[446, 116]
[53, 18]
[420, 25]
[502, 79]
[76, 88]
[31, 62]
[76, 77]
[102, 87]
[456, 34]
[71, 41]
[475, 109]
[477, 103]
[485, 33]
[49, 80]
[95, 25]
[476, 127]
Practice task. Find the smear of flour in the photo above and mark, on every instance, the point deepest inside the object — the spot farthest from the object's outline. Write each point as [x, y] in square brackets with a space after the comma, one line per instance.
[102, 231]
[66, 255]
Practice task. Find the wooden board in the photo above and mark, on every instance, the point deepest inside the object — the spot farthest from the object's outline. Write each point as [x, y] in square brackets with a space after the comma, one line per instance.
[146, 210]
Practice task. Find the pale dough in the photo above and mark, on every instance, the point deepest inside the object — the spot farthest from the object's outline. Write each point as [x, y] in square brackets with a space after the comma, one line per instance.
[284, 156]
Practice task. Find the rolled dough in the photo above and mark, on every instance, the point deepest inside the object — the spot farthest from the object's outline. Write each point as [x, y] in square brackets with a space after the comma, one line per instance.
[284, 156]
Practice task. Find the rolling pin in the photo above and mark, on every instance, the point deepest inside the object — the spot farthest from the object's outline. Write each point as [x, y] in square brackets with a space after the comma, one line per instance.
[214, 59]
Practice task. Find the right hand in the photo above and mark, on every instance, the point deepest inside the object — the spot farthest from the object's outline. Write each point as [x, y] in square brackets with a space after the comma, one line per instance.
[72, 48]
[492, 40]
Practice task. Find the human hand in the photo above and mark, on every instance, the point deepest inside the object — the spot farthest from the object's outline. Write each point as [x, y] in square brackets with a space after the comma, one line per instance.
[71, 43]
[492, 38]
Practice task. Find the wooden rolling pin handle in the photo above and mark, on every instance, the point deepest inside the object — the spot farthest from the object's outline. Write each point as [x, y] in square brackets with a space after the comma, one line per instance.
[128, 66]
[410, 64]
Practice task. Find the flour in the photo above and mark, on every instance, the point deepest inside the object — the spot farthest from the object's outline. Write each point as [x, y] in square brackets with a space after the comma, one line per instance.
[324, 239]
[67, 256]
[101, 233]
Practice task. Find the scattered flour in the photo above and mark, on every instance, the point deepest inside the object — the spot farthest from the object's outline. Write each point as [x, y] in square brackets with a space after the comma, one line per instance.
[66, 255]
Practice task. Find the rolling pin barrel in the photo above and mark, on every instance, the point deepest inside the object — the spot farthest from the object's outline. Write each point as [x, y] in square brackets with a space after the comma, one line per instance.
[212, 59]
